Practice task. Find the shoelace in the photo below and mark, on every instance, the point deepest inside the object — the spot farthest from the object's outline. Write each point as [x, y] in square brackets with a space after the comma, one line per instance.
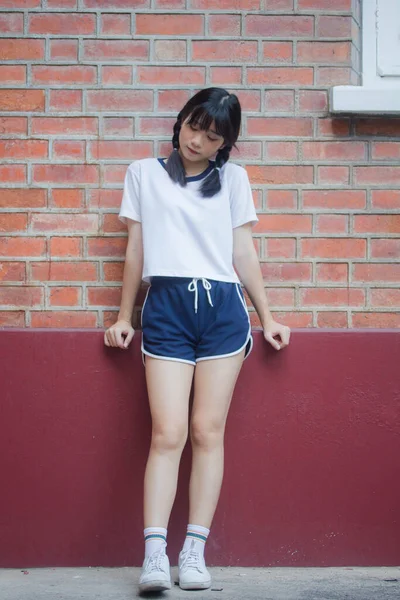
[192, 560]
[192, 287]
[154, 563]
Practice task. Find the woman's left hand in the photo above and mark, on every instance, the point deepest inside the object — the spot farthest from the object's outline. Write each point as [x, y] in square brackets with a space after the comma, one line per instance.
[273, 329]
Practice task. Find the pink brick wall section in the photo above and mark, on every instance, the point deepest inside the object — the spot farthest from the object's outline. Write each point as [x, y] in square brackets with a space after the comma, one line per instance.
[88, 87]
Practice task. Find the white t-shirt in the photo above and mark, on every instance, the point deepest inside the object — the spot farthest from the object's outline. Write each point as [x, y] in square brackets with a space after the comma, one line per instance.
[184, 233]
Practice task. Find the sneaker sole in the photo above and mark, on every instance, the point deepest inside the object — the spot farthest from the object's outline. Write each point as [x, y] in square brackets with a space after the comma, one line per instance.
[154, 586]
[195, 585]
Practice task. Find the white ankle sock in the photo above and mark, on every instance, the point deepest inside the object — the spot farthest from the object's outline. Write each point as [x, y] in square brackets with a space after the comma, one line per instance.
[154, 538]
[197, 533]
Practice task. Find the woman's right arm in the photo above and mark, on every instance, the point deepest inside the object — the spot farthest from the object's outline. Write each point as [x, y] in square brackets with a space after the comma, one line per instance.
[132, 279]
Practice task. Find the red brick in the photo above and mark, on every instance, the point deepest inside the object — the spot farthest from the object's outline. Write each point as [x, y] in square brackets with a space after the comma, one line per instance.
[333, 127]
[120, 100]
[385, 150]
[17, 149]
[283, 224]
[12, 271]
[279, 126]
[21, 296]
[12, 74]
[118, 126]
[338, 175]
[332, 319]
[279, 26]
[64, 50]
[226, 75]
[224, 25]
[171, 75]
[280, 75]
[115, 24]
[62, 24]
[117, 4]
[115, 174]
[376, 320]
[170, 4]
[215, 50]
[176, 24]
[279, 297]
[313, 101]
[22, 198]
[61, 3]
[385, 297]
[23, 246]
[113, 271]
[61, 174]
[112, 224]
[69, 149]
[104, 296]
[132, 50]
[12, 318]
[332, 224]
[247, 151]
[280, 248]
[277, 175]
[376, 272]
[375, 175]
[64, 271]
[170, 50]
[20, 4]
[103, 150]
[225, 4]
[379, 126]
[66, 100]
[156, 125]
[65, 296]
[333, 26]
[278, 199]
[65, 125]
[13, 173]
[26, 100]
[333, 248]
[281, 151]
[278, 5]
[334, 76]
[332, 272]
[21, 49]
[66, 247]
[111, 246]
[250, 100]
[332, 297]
[324, 52]
[385, 248]
[387, 199]
[13, 125]
[291, 319]
[105, 198]
[11, 23]
[13, 222]
[280, 100]
[111, 316]
[64, 222]
[325, 5]
[67, 198]
[169, 100]
[62, 318]
[334, 150]
[59, 74]
[286, 271]
[116, 75]
[385, 224]
[334, 199]
[281, 52]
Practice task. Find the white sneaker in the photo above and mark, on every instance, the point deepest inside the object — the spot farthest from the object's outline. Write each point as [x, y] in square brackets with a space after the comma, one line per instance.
[155, 575]
[193, 574]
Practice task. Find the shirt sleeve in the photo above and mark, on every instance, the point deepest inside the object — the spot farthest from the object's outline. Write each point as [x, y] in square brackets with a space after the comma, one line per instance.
[130, 205]
[241, 199]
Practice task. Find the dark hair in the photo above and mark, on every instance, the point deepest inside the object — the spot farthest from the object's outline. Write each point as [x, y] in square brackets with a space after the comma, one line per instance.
[208, 105]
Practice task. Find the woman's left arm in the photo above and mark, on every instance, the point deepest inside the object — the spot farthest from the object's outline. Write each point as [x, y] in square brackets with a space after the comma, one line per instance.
[246, 263]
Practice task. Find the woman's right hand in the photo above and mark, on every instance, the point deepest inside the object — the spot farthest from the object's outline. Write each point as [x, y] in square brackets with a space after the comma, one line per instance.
[113, 336]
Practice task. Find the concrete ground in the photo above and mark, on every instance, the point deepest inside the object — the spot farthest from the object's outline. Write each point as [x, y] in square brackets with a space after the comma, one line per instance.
[229, 583]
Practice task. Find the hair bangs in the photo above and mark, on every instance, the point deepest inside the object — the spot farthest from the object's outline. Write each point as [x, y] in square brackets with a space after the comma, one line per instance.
[203, 118]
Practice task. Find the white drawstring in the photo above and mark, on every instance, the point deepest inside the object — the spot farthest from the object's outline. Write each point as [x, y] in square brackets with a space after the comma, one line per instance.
[192, 287]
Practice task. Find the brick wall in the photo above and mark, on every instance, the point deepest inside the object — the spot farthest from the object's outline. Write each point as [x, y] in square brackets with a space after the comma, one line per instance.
[87, 86]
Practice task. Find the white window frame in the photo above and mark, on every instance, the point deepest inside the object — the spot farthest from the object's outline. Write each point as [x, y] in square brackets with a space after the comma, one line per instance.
[380, 89]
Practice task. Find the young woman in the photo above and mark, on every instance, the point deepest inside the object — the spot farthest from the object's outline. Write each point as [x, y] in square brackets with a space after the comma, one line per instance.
[190, 221]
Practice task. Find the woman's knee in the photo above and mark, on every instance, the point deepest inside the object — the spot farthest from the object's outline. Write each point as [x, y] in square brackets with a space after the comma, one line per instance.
[206, 434]
[169, 438]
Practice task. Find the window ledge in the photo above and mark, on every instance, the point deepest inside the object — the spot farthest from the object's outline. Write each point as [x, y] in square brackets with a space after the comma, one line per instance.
[360, 99]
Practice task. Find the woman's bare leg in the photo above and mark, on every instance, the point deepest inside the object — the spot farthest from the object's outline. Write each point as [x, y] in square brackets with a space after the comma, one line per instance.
[168, 387]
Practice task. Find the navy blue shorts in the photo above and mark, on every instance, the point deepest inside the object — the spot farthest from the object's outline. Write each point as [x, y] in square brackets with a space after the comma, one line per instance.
[189, 320]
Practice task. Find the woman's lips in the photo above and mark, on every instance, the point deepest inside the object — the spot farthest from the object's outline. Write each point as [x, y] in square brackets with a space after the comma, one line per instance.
[192, 151]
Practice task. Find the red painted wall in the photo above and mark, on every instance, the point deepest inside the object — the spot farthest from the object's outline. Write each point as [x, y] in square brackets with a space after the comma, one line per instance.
[312, 453]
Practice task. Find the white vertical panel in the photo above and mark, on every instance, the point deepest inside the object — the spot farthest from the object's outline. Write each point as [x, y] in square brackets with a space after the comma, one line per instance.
[388, 37]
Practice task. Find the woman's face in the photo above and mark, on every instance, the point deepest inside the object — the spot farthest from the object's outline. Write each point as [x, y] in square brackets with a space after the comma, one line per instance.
[204, 144]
